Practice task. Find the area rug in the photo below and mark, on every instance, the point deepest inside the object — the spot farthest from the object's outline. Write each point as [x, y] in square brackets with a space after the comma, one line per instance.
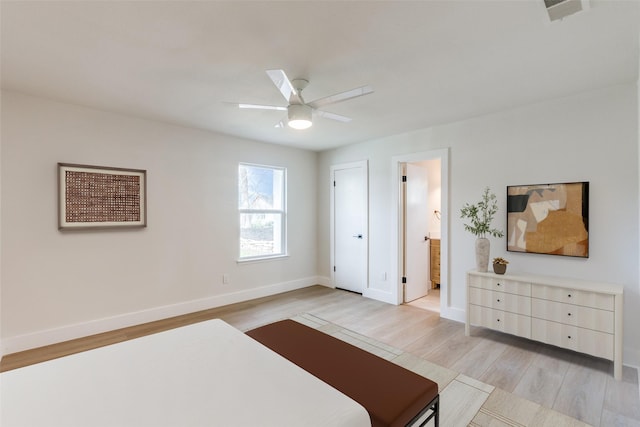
[464, 401]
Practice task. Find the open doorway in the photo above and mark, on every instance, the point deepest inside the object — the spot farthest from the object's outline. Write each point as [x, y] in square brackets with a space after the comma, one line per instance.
[421, 206]
[425, 244]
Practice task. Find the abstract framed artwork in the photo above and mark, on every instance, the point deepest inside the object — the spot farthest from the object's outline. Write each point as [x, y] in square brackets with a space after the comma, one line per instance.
[101, 197]
[549, 219]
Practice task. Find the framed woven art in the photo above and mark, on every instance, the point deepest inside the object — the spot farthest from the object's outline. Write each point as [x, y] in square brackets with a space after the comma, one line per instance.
[98, 197]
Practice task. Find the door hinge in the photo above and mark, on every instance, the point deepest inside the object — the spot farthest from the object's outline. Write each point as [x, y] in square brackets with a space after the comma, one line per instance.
[334, 183]
[404, 280]
[334, 268]
[404, 178]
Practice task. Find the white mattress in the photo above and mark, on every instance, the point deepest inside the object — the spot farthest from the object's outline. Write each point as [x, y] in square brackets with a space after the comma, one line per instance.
[207, 374]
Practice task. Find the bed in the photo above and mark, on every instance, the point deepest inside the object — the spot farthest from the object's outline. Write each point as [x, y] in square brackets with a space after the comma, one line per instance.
[206, 374]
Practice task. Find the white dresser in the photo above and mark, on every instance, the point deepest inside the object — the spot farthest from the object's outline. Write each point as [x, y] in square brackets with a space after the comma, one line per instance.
[573, 314]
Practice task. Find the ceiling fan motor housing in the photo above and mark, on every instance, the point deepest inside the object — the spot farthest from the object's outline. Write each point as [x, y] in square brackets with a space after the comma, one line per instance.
[299, 116]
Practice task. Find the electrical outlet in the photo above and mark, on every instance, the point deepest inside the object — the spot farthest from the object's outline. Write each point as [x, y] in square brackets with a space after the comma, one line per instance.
[225, 279]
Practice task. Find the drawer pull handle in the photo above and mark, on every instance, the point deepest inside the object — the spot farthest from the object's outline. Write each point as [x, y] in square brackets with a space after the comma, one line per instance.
[569, 295]
[498, 299]
[569, 336]
[498, 284]
[569, 314]
[498, 320]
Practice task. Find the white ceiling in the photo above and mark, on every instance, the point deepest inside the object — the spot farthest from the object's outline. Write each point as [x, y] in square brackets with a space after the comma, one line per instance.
[430, 62]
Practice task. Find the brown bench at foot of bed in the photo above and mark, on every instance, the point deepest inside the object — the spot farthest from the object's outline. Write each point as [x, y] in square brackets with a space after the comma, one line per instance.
[393, 395]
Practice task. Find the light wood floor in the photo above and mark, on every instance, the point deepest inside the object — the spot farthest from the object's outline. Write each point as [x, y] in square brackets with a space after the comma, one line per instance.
[577, 385]
[431, 302]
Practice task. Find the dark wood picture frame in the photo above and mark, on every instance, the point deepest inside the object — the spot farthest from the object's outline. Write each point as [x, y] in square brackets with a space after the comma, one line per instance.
[550, 219]
[91, 197]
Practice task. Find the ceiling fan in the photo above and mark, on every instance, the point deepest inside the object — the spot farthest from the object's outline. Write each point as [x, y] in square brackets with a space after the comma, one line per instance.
[299, 112]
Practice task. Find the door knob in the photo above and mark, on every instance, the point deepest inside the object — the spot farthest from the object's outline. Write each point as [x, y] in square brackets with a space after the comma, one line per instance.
[359, 236]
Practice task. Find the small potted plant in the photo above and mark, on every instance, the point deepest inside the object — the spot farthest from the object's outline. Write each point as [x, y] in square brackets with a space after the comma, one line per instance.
[500, 265]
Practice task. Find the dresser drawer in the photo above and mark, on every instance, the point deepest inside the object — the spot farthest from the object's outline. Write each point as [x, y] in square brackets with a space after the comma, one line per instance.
[500, 320]
[576, 315]
[501, 285]
[572, 296]
[500, 301]
[596, 343]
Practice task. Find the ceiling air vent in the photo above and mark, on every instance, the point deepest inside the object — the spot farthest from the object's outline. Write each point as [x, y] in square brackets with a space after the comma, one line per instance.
[559, 9]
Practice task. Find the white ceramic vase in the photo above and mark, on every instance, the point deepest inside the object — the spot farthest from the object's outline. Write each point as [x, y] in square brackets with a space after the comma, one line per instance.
[482, 254]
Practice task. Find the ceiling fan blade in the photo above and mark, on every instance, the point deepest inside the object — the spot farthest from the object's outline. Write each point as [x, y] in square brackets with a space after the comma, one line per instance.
[332, 116]
[284, 85]
[342, 96]
[261, 107]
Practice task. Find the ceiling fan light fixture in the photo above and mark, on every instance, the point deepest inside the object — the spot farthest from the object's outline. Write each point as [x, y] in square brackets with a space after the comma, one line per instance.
[299, 116]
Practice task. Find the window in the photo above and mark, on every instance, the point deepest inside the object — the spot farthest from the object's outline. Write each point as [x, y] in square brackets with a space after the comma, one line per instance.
[261, 205]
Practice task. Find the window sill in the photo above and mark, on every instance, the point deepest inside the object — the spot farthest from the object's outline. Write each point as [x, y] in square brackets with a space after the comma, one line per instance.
[261, 259]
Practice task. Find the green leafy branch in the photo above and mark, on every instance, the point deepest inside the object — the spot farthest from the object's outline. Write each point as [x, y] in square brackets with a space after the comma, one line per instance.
[480, 215]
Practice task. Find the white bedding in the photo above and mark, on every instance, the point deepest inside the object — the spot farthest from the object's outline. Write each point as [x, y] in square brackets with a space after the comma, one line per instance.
[207, 374]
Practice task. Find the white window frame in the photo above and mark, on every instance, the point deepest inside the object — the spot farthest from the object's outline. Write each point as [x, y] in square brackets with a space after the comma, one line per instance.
[282, 212]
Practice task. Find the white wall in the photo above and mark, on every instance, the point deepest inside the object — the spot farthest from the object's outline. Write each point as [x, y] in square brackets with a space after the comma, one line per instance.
[587, 137]
[59, 285]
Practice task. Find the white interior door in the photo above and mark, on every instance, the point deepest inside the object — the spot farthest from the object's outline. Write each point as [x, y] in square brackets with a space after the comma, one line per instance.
[350, 228]
[416, 244]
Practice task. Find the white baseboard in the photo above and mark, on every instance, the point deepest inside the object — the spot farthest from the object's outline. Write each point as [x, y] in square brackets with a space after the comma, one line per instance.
[453, 313]
[66, 333]
[379, 295]
[325, 281]
[631, 357]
